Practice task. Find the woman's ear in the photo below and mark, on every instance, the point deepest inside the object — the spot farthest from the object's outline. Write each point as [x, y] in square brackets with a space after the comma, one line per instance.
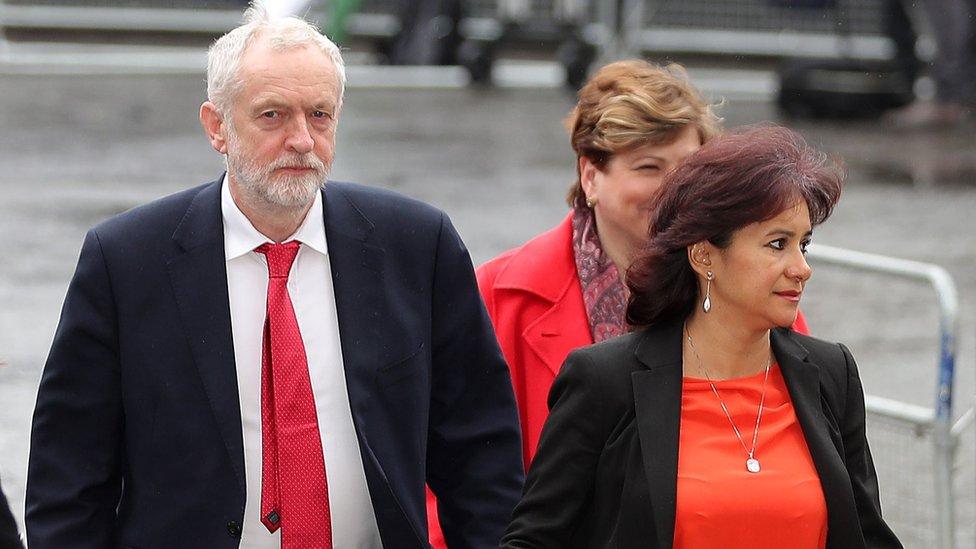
[587, 171]
[700, 256]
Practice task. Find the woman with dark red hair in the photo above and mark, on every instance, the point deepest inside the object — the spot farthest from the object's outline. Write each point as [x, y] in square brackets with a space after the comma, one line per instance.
[713, 425]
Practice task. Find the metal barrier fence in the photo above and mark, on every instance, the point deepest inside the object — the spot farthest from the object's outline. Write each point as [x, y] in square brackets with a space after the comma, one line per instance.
[925, 516]
[843, 28]
[855, 16]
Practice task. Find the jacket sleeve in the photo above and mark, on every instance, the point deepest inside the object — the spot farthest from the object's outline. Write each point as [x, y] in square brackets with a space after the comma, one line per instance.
[474, 447]
[74, 474]
[860, 466]
[563, 472]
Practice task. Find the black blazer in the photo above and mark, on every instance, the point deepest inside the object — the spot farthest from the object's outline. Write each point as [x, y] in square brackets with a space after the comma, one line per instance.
[137, 439]
[606, 470]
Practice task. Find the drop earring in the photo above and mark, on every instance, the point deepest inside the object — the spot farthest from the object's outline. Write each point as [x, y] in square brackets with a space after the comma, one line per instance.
[707, 304]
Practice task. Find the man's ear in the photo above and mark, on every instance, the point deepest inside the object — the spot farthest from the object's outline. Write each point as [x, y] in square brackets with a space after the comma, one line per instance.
[213, 126]
[699, 256]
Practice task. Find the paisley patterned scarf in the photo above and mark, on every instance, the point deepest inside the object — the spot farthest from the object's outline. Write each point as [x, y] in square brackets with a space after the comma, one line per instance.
[604, 295]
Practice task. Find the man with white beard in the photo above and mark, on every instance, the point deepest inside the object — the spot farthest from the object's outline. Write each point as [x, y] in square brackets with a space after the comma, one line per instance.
[266, 361]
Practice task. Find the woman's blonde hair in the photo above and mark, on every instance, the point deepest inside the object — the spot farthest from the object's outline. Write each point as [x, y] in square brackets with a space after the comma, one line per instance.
[627, 104]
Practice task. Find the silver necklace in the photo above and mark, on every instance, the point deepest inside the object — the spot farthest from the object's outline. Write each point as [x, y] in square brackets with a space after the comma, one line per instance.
[752, 464]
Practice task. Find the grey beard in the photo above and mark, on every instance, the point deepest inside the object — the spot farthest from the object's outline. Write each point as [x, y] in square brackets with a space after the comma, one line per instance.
[282, 191]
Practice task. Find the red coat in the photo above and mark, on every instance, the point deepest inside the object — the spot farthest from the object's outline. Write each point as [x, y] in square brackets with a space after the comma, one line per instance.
[535, 302]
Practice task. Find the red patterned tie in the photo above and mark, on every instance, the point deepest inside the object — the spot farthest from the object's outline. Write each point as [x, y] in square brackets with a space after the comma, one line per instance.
[294, 490]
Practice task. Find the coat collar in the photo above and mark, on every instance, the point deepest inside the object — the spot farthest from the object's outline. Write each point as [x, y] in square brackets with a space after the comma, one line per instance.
[531, 267]
[657, 398]
[545, 267]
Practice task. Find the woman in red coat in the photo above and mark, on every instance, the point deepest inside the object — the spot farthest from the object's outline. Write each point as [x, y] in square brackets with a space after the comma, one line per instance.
[563, 289]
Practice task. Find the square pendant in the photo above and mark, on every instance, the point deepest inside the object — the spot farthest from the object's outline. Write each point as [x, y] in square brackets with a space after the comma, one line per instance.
[752, 465]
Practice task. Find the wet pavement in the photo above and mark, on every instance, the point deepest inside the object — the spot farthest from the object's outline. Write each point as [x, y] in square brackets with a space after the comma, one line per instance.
[76, 149]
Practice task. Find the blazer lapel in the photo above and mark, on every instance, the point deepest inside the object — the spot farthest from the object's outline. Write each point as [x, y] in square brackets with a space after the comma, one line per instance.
[199, 278]
[357, 278]
[802, 378]
[657, 400]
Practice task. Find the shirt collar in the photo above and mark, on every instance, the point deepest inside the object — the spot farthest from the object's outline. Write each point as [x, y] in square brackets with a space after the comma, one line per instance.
[240, 236]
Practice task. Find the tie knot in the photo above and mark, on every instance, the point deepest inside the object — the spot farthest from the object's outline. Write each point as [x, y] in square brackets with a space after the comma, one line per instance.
[280, 257]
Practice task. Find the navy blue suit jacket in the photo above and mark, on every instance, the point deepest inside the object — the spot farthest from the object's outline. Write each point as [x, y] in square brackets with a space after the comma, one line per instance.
[137, 440]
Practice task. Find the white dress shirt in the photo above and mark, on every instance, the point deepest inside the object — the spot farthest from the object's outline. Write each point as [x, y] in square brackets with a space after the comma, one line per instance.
[312, 295]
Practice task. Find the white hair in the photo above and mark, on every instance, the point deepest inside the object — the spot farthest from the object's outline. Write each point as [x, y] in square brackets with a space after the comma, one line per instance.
[224, 56]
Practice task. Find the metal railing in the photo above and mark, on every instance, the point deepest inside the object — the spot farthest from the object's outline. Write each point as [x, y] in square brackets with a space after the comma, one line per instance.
[851, 28]
[936, 421]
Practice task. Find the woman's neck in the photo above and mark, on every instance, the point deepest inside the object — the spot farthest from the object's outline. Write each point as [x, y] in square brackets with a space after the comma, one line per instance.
[723, 347]
[617, 248]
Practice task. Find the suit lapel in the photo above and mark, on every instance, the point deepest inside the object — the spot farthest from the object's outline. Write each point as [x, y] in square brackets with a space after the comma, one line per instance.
[657, 400]
[199, 278]
[357, 277]
[802, 377]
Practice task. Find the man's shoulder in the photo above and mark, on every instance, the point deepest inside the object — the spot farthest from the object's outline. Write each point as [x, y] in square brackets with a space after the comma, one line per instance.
[161, 215]
[381, 205]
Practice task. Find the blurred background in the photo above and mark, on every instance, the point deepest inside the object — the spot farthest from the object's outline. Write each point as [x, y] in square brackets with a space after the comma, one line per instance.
[460, 103]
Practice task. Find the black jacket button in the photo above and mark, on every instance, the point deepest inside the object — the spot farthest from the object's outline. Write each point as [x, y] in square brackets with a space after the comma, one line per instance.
[234, 529]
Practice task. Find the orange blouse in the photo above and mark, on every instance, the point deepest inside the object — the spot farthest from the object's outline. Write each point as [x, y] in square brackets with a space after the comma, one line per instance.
[719, 502]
